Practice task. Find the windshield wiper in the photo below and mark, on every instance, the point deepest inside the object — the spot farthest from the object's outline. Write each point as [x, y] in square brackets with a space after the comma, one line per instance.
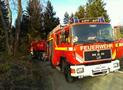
[105, 40]
[108, 40]
[85, 41]
[82, 41]
[94, 40]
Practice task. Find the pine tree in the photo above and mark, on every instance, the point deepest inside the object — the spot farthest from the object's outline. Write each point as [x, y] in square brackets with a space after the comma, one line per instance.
[2, 36]
[34, 10]
[72, 15]
[5, 12]
[66, 18]
[81, 12]
[90, 1]
[5, 25]
[96, 9]
[50, 20]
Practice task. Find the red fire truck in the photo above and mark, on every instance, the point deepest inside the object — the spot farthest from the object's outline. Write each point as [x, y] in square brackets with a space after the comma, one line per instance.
[38, 49]
[84, 49]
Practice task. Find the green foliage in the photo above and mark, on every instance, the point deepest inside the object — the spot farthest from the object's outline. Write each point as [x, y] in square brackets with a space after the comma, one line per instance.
[40, 23]
[90, 1]
[72, 15]
[4, 68]
[92, 10]
[66, 18]
[34, 12]
[81, 12]
[31, 25]
[37, 22]
[4, 12]
[50, 21]
[96, 9]
[2, 38]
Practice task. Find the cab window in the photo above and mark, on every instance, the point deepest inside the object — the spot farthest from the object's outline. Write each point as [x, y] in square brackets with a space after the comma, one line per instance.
[65, 37]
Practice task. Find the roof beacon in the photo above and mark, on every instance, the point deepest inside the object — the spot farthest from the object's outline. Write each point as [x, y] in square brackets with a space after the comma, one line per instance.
[101, 19]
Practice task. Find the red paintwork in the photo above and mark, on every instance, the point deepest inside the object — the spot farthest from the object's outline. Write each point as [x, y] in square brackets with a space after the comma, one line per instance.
[70, 56]
[120, 49]
[40, 45]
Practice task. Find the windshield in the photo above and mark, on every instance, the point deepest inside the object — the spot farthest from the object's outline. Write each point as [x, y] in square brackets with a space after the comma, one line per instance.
[90, 33]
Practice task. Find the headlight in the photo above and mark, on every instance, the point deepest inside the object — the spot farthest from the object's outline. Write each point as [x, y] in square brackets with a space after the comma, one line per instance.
[80, 70]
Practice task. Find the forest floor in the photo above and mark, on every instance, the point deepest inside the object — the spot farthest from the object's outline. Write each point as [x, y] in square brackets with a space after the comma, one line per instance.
[23, 74]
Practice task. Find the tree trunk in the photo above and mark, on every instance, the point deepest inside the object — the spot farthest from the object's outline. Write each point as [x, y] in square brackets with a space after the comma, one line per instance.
[17, 33]
[10, 34]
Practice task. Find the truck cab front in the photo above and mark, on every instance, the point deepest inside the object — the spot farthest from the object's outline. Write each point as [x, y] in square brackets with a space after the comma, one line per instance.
[94, 49]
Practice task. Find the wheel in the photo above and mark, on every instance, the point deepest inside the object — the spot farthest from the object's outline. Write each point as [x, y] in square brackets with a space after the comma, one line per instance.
[67, 73]
[36, 54]
[62, 65]
[40, 56]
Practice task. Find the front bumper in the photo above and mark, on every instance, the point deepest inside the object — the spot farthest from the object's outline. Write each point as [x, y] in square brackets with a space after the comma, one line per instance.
[94, 70]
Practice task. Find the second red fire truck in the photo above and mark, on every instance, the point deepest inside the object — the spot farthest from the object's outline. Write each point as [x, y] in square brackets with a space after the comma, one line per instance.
[84, 49]
[38, 49]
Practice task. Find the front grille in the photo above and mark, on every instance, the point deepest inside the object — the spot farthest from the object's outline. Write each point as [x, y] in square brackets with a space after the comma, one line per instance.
[97, 55]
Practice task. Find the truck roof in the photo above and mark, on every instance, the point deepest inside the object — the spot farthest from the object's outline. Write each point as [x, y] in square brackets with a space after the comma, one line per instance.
[90, 23]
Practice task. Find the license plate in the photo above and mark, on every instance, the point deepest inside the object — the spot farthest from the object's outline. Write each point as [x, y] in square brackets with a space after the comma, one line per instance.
[99, 68]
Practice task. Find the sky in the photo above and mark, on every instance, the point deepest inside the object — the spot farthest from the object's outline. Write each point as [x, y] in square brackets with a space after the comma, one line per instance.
[13, 6]
[113, 7]
[115, 11]
[70, 6]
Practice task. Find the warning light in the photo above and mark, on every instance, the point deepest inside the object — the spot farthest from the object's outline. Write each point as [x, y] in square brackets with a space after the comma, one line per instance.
[74, 20]
[101, 19]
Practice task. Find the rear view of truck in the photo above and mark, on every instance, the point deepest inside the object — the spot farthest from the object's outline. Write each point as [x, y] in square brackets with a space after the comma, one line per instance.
[38, 49]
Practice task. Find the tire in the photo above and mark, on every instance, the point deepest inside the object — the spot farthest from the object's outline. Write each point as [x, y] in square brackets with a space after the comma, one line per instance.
[40, 56]
[36, 54]
[67, 74]
[62, 65]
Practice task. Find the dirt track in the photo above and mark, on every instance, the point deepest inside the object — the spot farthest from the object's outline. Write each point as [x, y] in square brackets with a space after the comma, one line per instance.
[112, 81]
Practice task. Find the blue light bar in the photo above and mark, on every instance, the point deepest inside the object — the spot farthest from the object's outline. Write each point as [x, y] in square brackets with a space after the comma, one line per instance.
[101, 19]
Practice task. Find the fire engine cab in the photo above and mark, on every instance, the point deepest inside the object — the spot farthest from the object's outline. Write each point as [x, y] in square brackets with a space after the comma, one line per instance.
[84, 48]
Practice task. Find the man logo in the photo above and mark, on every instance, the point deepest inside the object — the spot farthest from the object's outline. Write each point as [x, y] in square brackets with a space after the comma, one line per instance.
[98, 55]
